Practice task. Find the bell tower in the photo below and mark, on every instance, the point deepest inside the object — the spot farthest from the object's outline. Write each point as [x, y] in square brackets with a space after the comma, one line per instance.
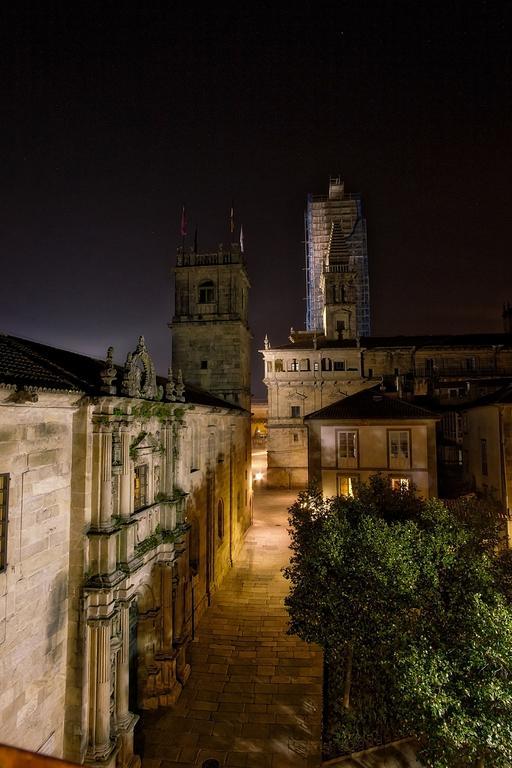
[211, 340]
[338, 288]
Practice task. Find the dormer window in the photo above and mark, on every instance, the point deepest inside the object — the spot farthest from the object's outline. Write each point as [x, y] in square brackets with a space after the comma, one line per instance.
[206, 292]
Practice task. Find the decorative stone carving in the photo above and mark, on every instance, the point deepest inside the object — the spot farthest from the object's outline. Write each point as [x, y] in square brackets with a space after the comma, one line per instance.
[139, 379]
[180, 387]
[170, 387]
[266, 342]
[109, 374]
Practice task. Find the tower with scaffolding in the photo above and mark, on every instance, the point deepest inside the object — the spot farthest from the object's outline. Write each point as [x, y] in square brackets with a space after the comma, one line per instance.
[324, 215]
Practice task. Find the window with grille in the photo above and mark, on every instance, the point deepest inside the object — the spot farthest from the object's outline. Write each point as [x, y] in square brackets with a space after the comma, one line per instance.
[140, 487]
[347, 448]
[4, 508]
[399, 448]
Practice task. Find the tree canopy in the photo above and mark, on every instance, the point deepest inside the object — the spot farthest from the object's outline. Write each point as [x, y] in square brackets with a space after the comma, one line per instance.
[410, 602]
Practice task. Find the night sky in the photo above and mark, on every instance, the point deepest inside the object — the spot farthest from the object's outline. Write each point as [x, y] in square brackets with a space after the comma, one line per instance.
[114, 114]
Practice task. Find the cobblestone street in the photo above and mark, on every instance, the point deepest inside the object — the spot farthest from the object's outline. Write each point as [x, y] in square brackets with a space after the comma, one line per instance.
[254, 695]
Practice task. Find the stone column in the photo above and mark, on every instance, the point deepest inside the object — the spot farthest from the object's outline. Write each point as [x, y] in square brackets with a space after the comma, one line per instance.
[105, 468]
[123, 671]
[125, 480]
[167, 608]
[167, 480]
[99, 692]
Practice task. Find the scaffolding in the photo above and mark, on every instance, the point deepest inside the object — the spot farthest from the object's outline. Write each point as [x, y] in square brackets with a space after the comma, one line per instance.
[321, 212]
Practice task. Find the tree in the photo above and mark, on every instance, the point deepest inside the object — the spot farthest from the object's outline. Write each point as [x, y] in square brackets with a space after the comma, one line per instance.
[407, 599]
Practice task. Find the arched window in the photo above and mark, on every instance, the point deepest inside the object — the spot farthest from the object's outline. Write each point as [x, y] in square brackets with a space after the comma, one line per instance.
[220, 519]
[206, 292]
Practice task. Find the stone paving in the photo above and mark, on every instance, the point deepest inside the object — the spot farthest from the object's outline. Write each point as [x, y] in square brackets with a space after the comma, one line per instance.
[254, 697]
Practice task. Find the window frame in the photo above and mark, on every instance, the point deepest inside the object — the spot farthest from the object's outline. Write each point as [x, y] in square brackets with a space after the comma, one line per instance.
[295, 412]
[353, 480]
[206, 292]
[347, 462]
[400, 483]
[402, 460]
[143, 493]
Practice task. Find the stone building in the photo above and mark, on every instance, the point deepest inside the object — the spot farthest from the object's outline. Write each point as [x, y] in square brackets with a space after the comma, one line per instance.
[124, 498]
[210, 330]
[440, 372]
[486, 428]
[368, 433]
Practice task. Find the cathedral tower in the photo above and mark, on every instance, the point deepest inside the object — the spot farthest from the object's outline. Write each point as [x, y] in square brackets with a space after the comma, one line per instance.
[211, 340]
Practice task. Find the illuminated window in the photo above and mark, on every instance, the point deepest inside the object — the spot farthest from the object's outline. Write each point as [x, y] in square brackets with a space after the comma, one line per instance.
[4, 508]
[293, 365]
[347, 484]
[207, 292]
[399, 483]
[140, 487]
[399, 448]
[347, 448]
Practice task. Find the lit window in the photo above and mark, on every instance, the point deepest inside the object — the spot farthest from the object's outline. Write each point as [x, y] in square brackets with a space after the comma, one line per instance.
[399, 483]
[347, 448]
[4, 508]
[293, 365]
[315, 366]
[295, 411]
[399, 448]
[347, 484]
[140, 487]
[207, 292]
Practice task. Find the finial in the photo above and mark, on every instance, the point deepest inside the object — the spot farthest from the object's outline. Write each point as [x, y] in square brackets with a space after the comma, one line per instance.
[170, 388]
[109, 373]
[266, 342]
[180, 387]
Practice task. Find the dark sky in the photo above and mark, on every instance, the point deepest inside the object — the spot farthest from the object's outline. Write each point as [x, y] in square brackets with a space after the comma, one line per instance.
[114, 113]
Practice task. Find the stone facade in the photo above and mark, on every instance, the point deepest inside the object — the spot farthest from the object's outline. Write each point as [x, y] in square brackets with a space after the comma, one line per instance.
[372, 433]
[210, 331]
[128, 499]
[314, 371]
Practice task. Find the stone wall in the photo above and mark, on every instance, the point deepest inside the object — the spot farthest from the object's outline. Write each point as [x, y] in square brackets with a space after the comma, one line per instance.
[36, 451]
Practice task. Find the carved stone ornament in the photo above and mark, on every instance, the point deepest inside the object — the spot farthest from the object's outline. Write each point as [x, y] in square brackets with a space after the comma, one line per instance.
[109, 374]
[170, 387]
[180, 387]
[296, 394]
[266, 342]
[139, 379]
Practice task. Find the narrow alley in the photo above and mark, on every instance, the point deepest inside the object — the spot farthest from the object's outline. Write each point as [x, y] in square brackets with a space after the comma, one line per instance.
[254, 695]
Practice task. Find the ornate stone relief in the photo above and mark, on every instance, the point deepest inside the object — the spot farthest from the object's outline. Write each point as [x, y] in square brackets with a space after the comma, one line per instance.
[139, 379]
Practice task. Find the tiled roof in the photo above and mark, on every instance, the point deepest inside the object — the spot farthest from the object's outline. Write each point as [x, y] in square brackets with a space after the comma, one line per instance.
[30, 364]
[372, 342]
[372, 404]
[25, 363]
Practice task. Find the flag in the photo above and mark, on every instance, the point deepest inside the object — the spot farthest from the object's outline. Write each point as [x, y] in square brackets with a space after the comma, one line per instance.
[232, 220]
[183, 222]
[241, 239]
